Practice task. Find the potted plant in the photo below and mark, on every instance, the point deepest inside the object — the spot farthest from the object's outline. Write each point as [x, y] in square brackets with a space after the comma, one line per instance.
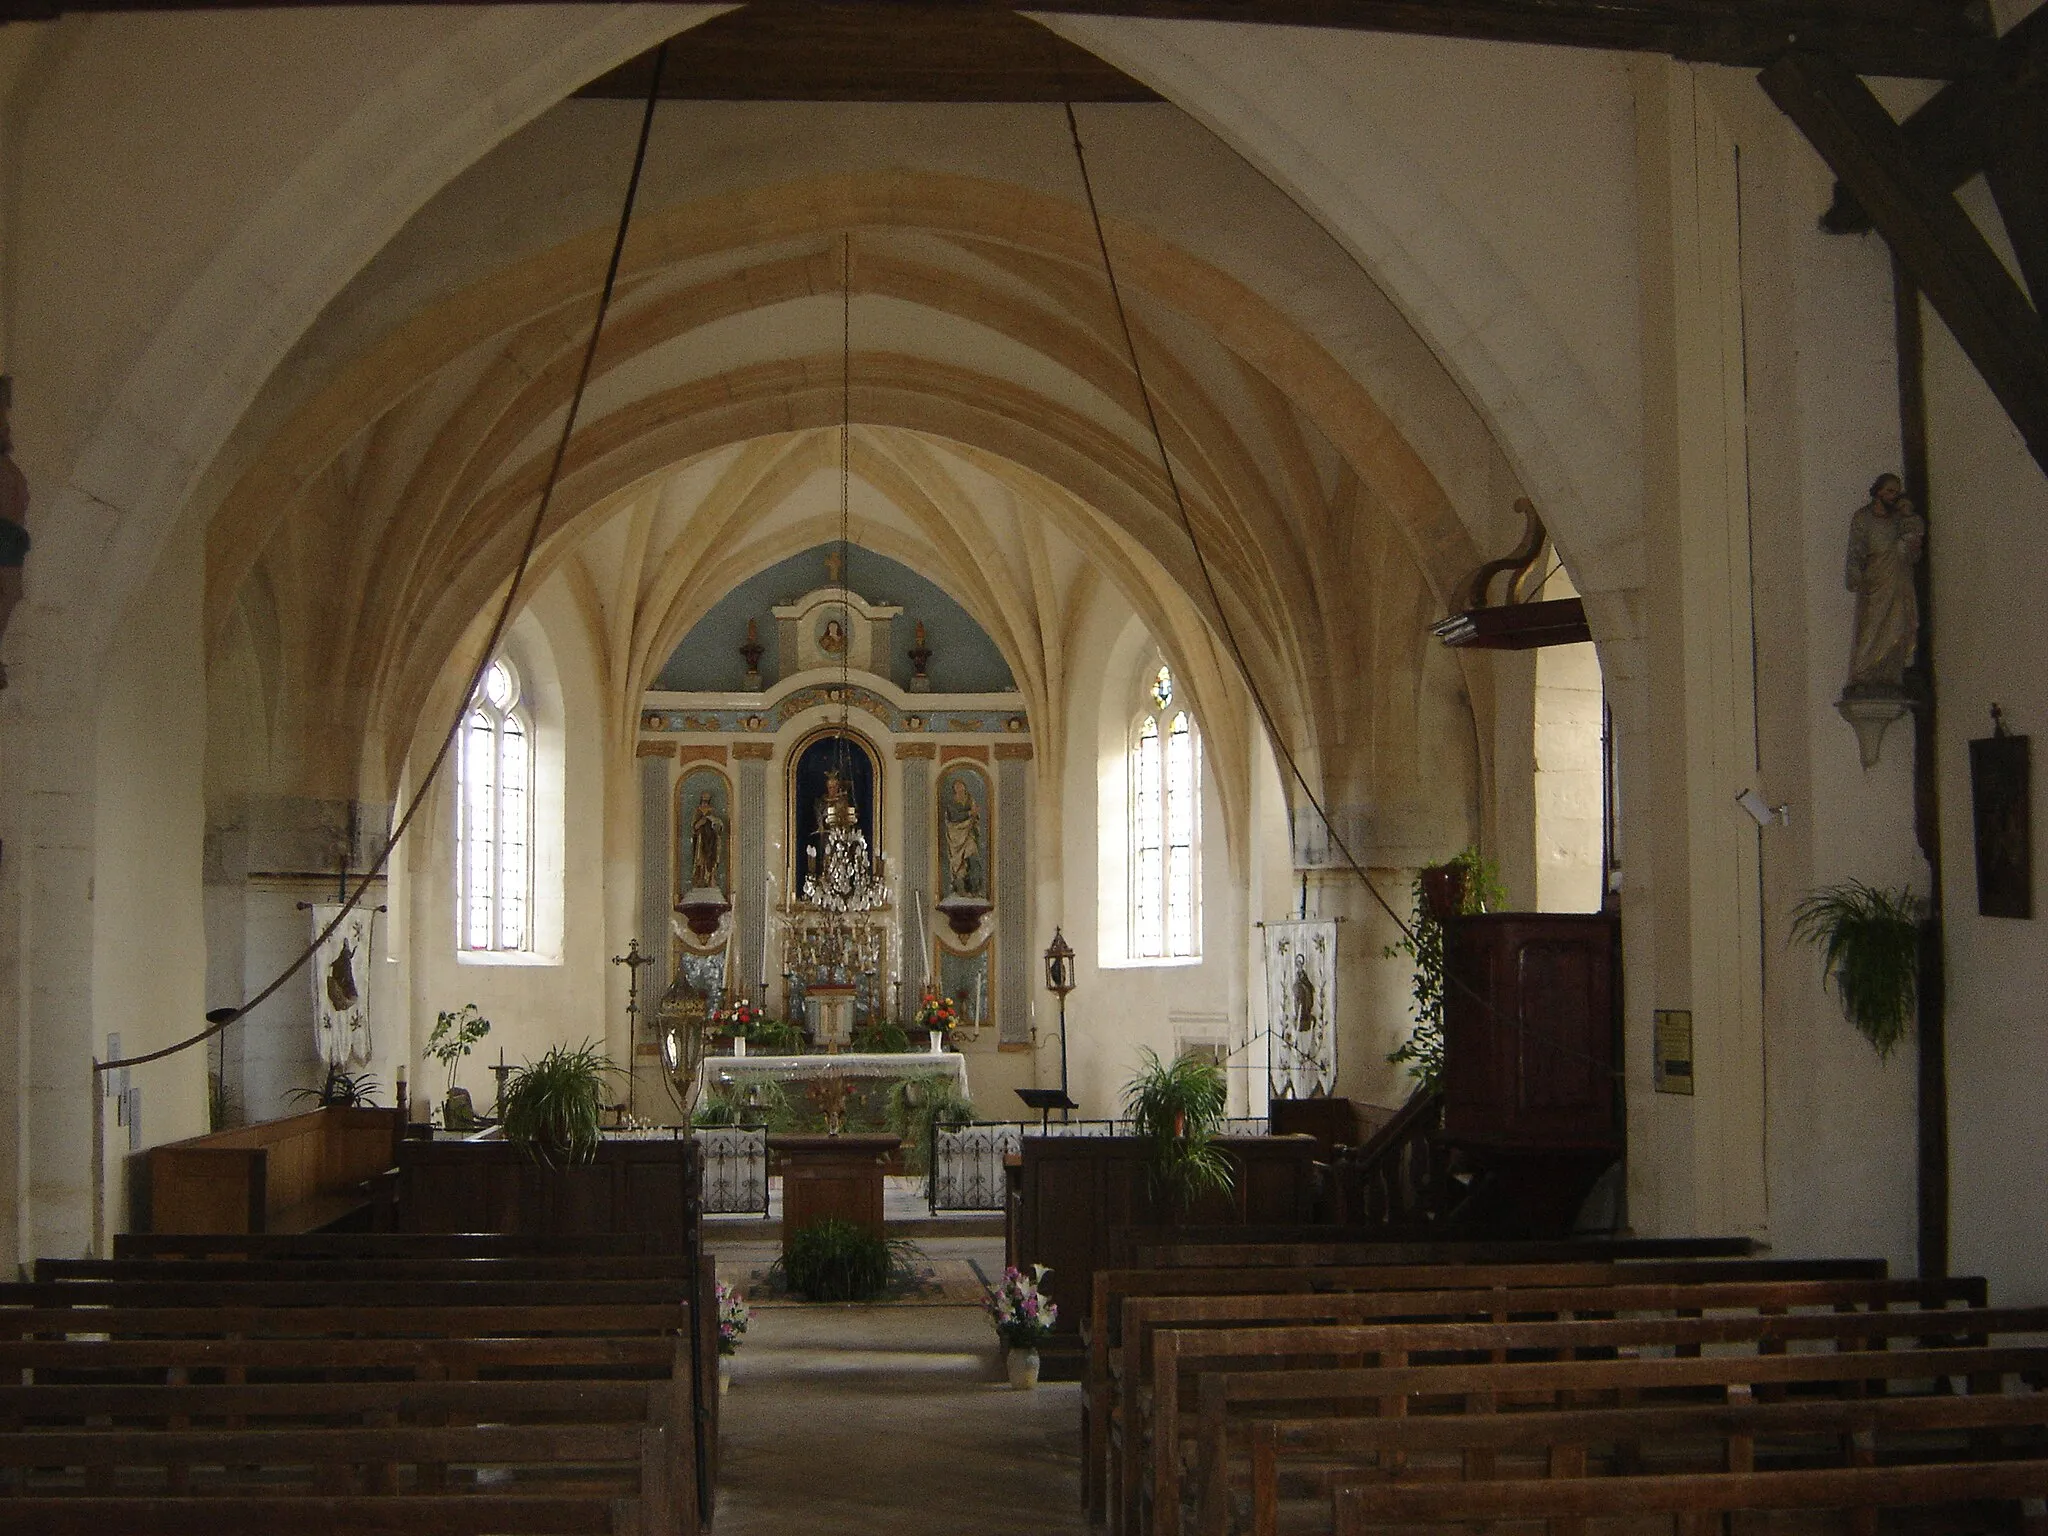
[836, 1260]
[1177, 1108]
[455, 1036]
[553, 1106]
[1869, 941]
[733, 1316]
[1023, 1316]
[341, 1089]
[937, 1013]
[1467, 884]
[778, 1037]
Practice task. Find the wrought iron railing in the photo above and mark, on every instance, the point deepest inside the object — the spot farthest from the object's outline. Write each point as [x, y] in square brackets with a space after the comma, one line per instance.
[966, 1163]
[735, 1169]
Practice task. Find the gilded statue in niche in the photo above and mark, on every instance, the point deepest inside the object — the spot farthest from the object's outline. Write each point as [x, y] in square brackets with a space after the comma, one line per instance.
[1885, 540]
[707, 844]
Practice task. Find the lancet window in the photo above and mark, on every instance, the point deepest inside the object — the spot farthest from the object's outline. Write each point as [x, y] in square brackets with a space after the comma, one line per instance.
[1166, 819]
[495, 790]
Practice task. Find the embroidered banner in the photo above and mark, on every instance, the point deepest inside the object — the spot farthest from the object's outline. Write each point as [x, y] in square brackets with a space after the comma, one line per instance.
[1301, 1008]
[341, 987]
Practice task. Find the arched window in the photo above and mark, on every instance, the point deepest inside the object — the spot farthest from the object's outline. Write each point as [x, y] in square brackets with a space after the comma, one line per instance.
[1166, 820]
[495, 851]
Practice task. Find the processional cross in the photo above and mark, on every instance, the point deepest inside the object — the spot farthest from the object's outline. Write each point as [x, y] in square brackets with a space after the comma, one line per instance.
[632, 959]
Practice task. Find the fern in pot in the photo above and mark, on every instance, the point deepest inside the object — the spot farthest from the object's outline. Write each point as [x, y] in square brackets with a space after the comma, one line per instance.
[1869, 942]
[553, 1106]
[1178, 1108]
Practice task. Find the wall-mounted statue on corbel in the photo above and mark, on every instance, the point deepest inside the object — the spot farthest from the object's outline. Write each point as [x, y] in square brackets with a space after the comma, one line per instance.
[1886, 537]
[13, 515]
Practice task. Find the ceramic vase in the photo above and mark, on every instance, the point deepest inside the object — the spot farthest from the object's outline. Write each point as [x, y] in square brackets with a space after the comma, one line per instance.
[938, 1040]
[1023, 1364]
[724, 1374]
[739, 1045]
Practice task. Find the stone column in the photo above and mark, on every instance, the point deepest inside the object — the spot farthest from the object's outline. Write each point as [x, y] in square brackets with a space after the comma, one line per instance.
[914, 874]
[750, 881]
[655, 900]
[1012, 893]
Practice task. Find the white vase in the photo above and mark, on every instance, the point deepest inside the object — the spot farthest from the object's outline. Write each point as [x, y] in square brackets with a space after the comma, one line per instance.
[724, 1374]
[1023, 1364]
[938, 1040]
[739, 1045]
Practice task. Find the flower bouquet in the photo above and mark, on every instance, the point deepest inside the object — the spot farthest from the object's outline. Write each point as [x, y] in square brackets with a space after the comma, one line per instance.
[733, 1316]
[1023, 1318]
[937, 1013]
[738, 1019]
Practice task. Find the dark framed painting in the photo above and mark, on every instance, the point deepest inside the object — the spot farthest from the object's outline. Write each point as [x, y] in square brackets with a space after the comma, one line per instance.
[2000, 809]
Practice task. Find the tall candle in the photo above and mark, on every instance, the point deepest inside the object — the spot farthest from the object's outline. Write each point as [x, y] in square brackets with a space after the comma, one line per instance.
[924, 974]
[980, 999]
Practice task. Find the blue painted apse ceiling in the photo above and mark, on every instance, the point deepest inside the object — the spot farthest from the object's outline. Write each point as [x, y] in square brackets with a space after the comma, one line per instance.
[964, 658]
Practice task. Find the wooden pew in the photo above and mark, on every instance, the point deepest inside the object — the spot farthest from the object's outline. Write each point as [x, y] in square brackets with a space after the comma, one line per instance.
[1568, 1502]
[1229, 1399]
[647, 1348]
[296, 1174]
[1111, 1286]
[396, 1271]
[1166, 1247]
[1129, 1364]
[385, 1245]
[1616, 1441]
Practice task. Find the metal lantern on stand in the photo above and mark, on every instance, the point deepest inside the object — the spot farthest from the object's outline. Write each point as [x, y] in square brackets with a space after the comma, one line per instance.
[1059, 980]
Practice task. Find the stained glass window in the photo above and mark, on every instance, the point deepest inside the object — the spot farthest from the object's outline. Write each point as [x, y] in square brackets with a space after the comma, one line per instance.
[494, 793]
[1166, 824]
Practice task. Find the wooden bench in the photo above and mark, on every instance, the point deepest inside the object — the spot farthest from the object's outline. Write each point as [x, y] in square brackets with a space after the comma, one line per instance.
[386, 1245]
[1230, 1399]
[291, 1175]
[1166, 1247]
[1614, 1442]
[1129, 1364]
[380, 1354]
[1567, 1503]
[1112, 1286]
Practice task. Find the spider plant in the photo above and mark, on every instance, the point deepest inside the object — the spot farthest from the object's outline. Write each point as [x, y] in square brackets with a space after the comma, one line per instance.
[1869, 941]
[1178, 1108]
[341, 1089]
[552, 1105]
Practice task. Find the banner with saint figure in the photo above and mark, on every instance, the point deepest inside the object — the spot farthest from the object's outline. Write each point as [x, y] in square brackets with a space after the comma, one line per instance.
[341, 987]
[1301, 1008]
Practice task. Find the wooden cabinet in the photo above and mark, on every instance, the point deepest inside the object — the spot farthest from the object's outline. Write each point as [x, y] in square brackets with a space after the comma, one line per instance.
[1070, 1196]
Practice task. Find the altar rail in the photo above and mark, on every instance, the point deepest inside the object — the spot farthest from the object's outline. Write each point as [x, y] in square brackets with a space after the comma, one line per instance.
[735, 1169]
[966, 1172]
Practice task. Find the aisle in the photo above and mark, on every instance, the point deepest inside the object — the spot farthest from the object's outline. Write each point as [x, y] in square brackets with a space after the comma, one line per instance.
[894, 1420]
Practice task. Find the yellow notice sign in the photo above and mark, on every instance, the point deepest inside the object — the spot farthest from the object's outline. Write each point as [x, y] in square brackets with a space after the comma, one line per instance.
[1672, 1070]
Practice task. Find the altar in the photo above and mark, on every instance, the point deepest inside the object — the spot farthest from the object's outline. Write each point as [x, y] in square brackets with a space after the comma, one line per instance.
[879, 1065]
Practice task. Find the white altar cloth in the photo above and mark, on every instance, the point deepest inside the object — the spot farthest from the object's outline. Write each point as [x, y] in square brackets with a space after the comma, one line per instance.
[715, 1069]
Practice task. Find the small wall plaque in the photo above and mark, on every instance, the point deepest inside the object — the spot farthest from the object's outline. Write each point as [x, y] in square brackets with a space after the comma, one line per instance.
[2000, 807]
[1671, 1072]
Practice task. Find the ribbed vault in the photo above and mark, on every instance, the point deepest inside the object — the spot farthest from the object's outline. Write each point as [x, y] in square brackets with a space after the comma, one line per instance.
[998, 438]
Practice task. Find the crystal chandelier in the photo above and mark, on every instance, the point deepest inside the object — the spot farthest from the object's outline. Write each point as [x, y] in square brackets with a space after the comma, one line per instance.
[842, 879]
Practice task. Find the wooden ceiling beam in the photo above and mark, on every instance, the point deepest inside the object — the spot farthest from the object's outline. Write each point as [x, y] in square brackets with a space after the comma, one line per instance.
[1961, 129]
[1933, 39]
[1911, 205]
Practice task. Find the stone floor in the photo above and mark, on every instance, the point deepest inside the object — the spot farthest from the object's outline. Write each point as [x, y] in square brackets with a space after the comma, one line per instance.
[892, 1420]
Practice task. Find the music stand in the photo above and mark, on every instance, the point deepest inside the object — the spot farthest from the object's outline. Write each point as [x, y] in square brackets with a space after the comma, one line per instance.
[1045, 1101]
